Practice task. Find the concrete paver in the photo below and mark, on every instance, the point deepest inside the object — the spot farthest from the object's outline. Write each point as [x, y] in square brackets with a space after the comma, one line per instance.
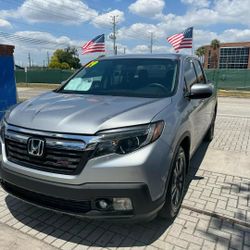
[11, 239]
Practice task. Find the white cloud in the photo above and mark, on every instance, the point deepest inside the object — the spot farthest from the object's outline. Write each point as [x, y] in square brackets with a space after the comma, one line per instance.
[66, 12]
[197, 3]
[52, 41]
[144, 49]
[232, 35]
[104, 20]
[140, 31]
[233, 11]
[61, 12]
[5, 24]
[147, 8]
[204, 37]
[223, 11]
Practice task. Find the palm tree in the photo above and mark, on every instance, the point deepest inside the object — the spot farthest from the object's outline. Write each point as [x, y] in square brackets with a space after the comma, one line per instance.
[200, 52]
[215, 44]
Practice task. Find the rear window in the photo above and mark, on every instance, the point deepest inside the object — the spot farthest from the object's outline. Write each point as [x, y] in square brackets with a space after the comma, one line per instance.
[126, 77]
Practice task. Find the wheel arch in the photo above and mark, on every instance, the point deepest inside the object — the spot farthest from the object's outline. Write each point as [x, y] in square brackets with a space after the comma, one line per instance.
[185, 142]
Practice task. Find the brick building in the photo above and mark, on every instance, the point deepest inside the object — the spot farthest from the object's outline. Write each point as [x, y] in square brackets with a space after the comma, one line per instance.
[228, 56]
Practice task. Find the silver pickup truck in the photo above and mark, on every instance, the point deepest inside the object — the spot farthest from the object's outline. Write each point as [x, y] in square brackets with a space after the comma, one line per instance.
[114, 141]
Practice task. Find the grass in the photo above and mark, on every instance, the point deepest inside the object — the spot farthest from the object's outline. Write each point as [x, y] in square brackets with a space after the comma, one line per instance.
[38, 85]
[234, 93]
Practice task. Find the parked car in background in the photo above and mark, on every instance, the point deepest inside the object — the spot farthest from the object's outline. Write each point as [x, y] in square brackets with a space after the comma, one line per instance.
[114, 141]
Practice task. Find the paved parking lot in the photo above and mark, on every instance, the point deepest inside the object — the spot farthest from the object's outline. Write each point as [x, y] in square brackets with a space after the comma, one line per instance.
[28, 92]
[215, 212]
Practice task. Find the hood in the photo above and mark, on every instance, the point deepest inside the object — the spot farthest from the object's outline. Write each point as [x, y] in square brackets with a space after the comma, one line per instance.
[84, 114]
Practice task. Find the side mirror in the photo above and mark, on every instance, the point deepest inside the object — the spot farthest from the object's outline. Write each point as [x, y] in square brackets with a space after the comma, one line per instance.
[200, 91]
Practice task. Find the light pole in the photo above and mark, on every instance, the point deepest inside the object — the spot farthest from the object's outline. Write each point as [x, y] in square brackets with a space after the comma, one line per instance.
[113, 35]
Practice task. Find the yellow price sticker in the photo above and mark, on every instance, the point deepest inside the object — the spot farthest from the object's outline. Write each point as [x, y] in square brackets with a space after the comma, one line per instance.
[91, 64]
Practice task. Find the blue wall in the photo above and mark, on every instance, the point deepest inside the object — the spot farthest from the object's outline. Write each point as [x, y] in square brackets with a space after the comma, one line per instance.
[7, 83]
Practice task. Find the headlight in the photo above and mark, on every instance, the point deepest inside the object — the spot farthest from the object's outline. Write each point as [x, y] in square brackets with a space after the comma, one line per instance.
[127, 140]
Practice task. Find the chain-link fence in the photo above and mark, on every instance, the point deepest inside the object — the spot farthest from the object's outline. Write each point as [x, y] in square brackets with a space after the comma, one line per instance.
[235, 79]
[42, 76]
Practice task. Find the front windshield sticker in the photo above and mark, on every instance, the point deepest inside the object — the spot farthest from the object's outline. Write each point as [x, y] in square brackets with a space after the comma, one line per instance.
[79, 84]
[91, 64]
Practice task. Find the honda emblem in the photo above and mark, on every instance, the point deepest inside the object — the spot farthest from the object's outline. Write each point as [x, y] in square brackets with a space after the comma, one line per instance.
[36, 147]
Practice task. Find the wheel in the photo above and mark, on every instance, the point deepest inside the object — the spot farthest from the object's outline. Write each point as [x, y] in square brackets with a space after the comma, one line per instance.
[176, 186]
[210, 133]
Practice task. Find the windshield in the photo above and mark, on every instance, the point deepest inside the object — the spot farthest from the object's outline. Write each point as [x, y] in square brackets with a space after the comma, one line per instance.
[151, 78]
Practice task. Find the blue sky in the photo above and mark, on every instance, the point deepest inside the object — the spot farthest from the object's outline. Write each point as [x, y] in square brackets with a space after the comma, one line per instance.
[73, 22]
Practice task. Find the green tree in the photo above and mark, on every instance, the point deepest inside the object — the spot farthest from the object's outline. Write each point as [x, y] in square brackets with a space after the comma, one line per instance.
[65, 65]
[215, 45]
[65, 59]
[200, 52]
[55, 65]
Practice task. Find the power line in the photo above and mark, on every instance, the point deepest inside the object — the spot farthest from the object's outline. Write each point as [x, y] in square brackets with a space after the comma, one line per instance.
[34, 41]
[50, 12]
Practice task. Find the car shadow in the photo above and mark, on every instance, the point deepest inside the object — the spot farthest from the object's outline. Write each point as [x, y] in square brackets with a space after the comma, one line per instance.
[195, 164]
[49, 225]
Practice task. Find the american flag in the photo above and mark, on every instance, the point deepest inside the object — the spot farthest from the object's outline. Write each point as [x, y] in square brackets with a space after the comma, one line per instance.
[182, 40]
[95, 45]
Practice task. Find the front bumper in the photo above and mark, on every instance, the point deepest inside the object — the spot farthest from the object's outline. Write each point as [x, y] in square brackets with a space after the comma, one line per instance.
[80, 200]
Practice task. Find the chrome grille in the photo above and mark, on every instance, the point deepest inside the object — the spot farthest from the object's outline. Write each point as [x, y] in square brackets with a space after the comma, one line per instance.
[66, 156]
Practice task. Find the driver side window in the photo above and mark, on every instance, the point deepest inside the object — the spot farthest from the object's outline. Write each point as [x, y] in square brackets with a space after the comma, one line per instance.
[189, 73]
[200, 75]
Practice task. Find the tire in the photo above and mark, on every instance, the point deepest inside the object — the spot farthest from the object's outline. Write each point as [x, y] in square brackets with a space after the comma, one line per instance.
[210, 133]
[175, 191]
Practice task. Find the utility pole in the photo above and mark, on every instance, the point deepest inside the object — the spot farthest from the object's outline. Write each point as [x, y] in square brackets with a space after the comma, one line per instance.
[48, 58]
[113, 35]
[151, 42]
[29, 59]
[124, 50]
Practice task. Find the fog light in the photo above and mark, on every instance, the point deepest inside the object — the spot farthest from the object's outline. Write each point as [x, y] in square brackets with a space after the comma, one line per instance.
[122, 204]
[103, 204]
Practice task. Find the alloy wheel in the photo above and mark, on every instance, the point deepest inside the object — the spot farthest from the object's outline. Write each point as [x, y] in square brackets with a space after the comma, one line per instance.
[178, 181]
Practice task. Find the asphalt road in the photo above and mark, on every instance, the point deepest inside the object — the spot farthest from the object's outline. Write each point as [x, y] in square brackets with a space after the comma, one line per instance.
[27, 93]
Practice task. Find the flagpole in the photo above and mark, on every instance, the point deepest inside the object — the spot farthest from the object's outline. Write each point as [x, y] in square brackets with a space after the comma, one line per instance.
[192, 50]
